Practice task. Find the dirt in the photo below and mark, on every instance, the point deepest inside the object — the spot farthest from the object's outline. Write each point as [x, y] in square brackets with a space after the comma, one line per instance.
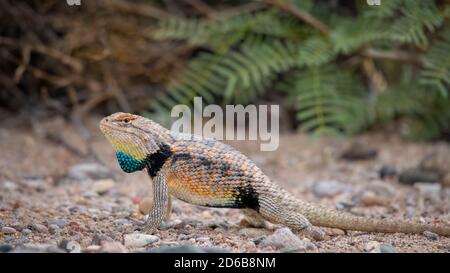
[45, 207]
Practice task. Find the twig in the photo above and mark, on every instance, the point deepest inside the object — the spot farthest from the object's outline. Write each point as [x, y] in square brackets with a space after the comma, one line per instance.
[201, 7]
[394, 55]
[289, 8]
[139, 9]
[75, 64]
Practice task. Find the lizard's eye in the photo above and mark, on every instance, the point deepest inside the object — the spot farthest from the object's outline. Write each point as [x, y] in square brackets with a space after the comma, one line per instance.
[126, 120]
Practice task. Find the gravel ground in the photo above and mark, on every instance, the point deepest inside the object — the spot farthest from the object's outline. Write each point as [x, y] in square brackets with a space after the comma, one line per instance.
[51, 199]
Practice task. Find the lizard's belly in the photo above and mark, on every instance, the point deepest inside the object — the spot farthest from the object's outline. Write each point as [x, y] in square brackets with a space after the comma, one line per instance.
[203, 193]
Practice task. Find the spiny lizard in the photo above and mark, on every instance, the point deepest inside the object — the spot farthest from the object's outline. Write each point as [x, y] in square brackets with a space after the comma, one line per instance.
[206, 172]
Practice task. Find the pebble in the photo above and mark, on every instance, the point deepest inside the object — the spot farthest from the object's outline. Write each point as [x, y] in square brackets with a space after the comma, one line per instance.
[430, 235]
[428, 189]
[187, 249]
[73, 247]
[413, 175]
[134, 240]
[336, 232]
[252, 232]
[90, 194]
[387, 171]
[112, 247]
[99, 238]
[36, 247]
[9, 186]
[103, 186]
[330, 188]
[26, 231]
[377, 247]
[145, 205]
[6, 248]
[176, 224]
[387, 248]
[8, 230]
[369, 198]
[358, 151]
[86, 171]
[40, 228]
[283, 238]
[53, 229]
[93, 248]
[372, 247]
[59, 222]
[202, 239]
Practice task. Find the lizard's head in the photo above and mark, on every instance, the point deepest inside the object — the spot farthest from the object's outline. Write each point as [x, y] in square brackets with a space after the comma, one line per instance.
[130, 135]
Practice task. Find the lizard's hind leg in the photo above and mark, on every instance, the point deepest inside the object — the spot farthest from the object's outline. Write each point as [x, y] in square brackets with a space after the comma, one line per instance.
[255, 219]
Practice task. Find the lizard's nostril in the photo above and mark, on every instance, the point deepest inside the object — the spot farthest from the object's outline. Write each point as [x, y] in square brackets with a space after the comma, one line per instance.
[106, 119]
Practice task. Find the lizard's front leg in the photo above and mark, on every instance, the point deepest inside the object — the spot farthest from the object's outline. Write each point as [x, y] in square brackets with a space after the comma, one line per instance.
[160, 203]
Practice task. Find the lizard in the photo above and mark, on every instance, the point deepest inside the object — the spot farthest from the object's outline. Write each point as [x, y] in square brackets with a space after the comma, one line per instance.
[206, 172]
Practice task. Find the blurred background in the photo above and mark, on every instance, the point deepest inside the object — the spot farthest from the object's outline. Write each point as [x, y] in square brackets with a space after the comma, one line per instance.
[340, 67]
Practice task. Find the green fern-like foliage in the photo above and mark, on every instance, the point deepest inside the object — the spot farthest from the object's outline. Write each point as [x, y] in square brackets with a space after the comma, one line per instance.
[241, 56]
[326, 100]
[437, 71]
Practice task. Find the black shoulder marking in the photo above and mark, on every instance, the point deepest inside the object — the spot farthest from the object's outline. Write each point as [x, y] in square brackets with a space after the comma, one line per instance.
[156, 160]
[248, 198]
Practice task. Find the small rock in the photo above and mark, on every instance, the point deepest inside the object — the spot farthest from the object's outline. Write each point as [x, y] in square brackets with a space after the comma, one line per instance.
[86, 171]
[6, 248]
[202, 239]
[387, 171]
[330, 188]
[134, 240]
[258, 240]
[59, 222]
[175, 223]
[102, 186]
[359, 151]
[283, 238]
[26, 231]
[40, 228]
[372, 247]
[53, 228]
[413, 175]
[336, 232]
[73, 247]
[8, 230]
[387, 248]
[369, 198]
[41, 248]
[112, 247]
[93, 248]
[428, 189]
[99, 238]
[90, 194]
[341, 205]
[187, 249]
[9, 186]
[430, 235]
[145, 205]
[252, 232]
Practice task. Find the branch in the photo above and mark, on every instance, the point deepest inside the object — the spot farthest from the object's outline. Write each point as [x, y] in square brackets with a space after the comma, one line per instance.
[289, 8]
[394, 55]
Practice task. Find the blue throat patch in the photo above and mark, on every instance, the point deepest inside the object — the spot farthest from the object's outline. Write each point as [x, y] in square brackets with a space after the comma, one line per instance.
[128, 163]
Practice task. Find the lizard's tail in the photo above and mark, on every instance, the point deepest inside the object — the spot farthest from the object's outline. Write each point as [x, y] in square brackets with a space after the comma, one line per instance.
[320, 216]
